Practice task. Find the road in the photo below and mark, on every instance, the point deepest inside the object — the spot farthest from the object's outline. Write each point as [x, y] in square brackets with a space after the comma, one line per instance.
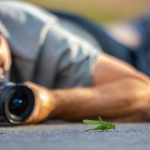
[57, 135]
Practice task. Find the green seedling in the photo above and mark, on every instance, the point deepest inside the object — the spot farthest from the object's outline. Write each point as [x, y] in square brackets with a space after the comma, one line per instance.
[102, 125]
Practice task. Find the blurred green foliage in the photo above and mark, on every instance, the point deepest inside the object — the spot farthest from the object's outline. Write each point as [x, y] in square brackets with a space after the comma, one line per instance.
[103, 11]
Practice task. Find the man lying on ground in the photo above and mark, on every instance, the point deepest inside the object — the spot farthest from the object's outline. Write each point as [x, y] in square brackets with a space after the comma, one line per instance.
[67, 68]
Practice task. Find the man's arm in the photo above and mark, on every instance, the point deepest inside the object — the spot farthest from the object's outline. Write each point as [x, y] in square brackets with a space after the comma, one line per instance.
[118, 87]
[110, 69]
[107, 101]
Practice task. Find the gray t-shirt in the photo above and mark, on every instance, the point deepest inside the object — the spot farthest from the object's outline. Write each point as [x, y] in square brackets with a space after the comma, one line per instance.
[47, 50]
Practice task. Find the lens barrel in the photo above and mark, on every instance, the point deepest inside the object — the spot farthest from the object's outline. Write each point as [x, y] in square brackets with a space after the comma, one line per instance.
[16, 102]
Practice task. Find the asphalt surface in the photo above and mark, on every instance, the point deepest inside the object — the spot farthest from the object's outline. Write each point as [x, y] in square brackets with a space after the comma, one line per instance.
[56, 135]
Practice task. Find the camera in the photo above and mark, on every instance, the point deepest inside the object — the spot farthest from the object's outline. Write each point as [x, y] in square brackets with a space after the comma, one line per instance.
[16, 102]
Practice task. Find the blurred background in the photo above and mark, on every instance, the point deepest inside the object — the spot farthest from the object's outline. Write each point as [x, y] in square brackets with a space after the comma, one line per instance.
[100, 11]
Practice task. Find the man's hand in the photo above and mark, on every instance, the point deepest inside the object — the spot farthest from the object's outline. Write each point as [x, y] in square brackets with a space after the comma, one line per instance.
[44, 103]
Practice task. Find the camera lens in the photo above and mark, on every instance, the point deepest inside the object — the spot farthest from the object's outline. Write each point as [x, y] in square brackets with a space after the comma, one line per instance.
[17, 103]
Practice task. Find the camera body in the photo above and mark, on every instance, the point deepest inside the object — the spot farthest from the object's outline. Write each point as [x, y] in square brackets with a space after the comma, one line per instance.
[16, 102]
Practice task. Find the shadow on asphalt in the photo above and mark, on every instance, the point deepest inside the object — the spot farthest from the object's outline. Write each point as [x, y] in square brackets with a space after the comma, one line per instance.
[60, 122]
[8, 124]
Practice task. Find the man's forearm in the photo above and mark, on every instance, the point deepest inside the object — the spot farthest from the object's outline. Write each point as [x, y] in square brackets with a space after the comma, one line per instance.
[117, 87]
[108, 101]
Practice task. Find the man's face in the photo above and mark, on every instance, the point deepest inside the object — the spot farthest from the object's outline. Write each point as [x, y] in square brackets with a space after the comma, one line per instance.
[5, 57]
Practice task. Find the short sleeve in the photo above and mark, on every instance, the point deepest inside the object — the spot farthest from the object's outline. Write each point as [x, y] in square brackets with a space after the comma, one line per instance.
[67, 61]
